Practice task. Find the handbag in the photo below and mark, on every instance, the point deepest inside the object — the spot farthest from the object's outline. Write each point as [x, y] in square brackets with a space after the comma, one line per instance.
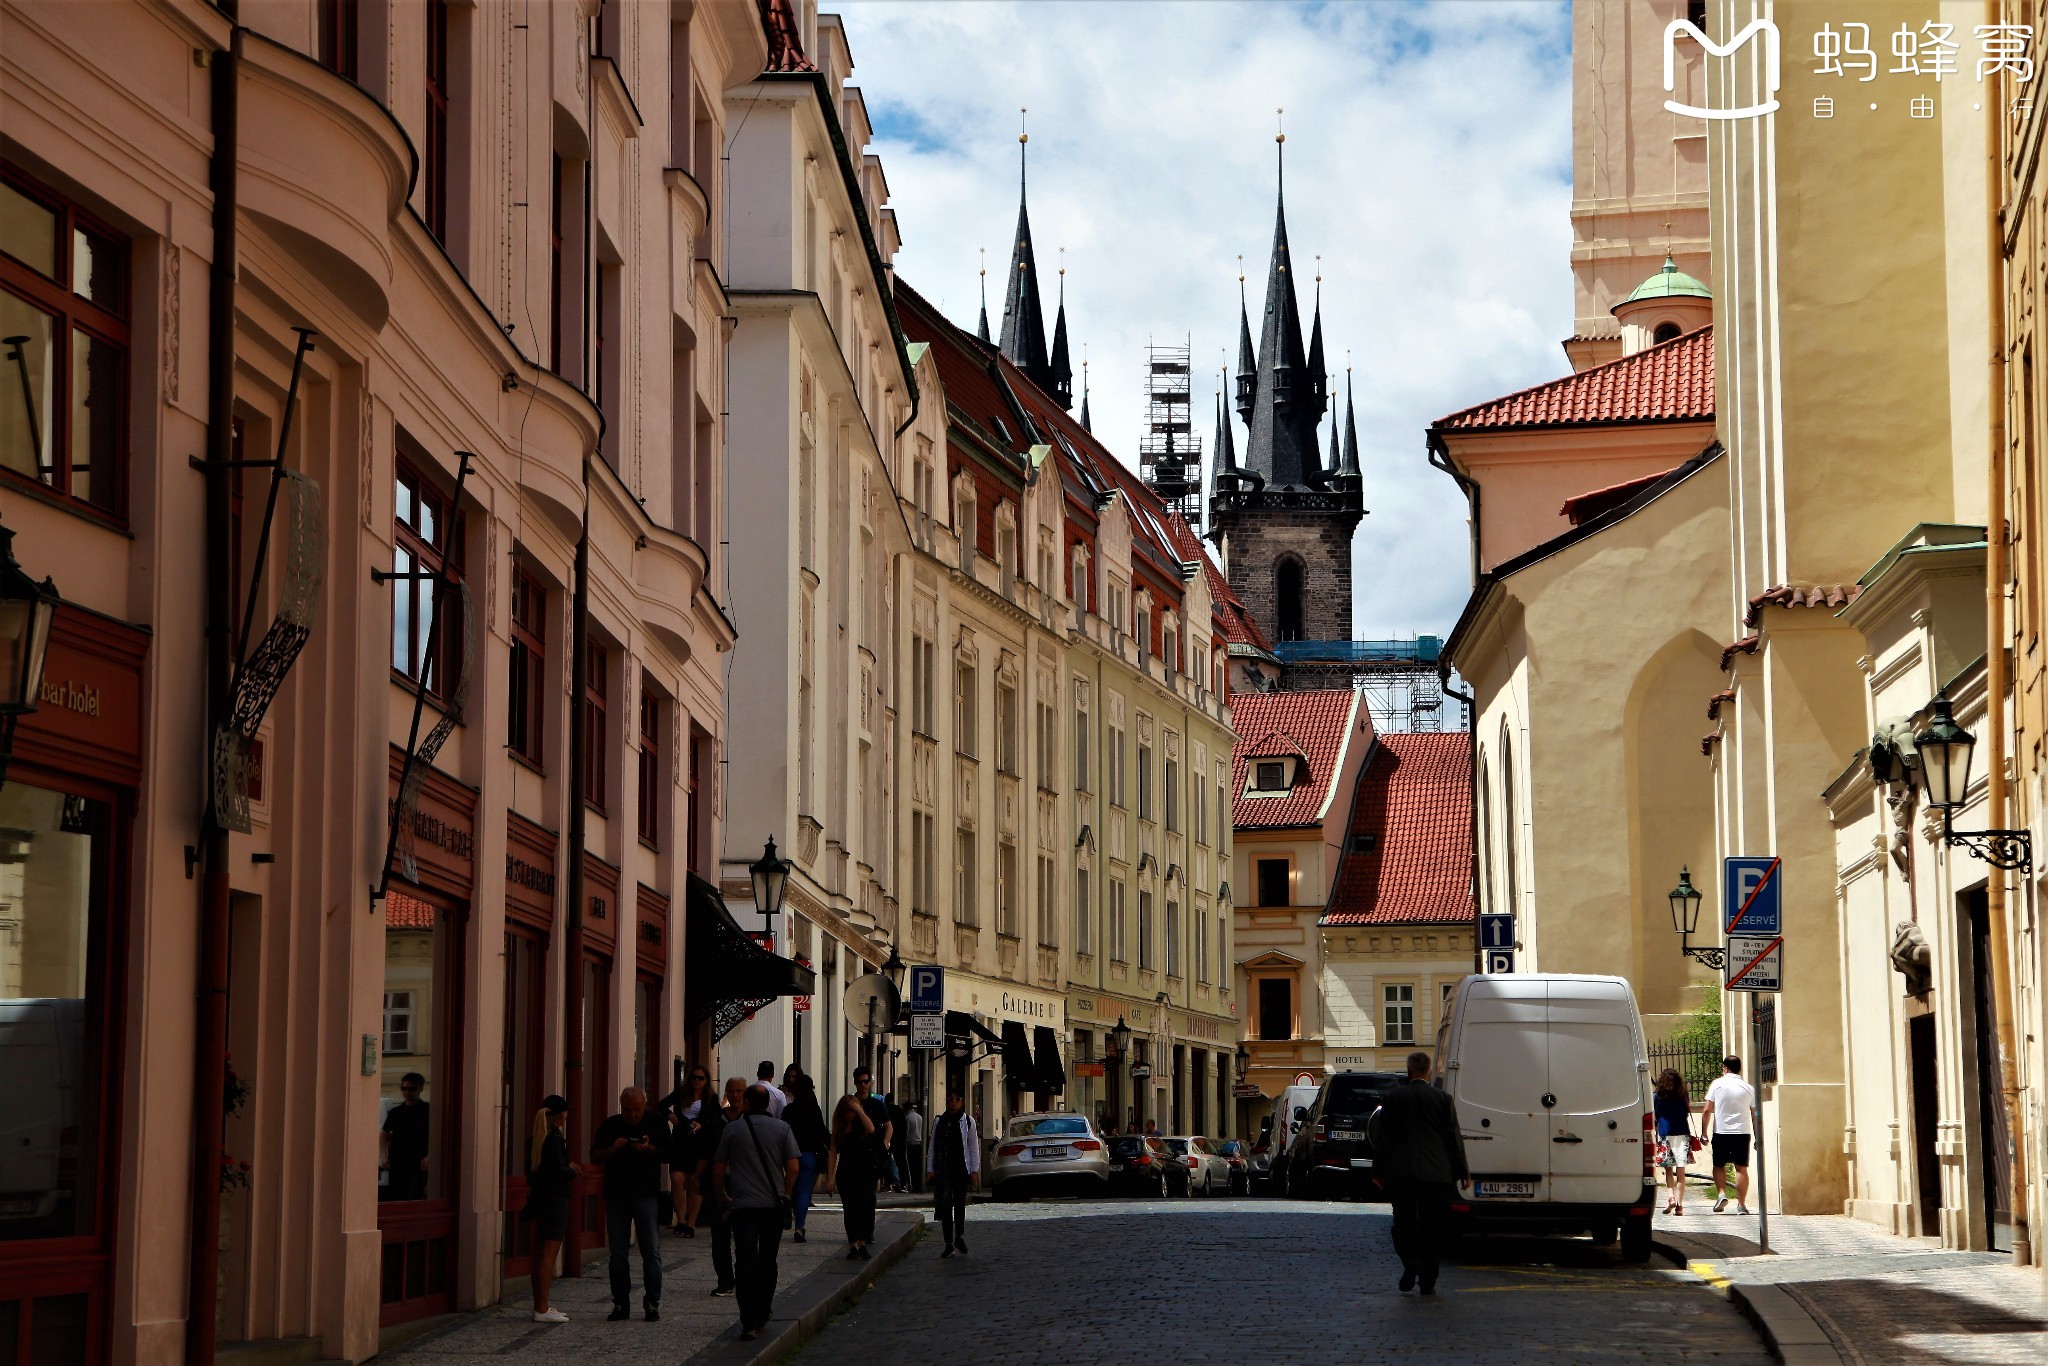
[783, 1207]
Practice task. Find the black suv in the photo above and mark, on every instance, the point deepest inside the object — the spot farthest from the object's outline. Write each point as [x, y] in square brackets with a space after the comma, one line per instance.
[1143, 1165]
[1331, 1156]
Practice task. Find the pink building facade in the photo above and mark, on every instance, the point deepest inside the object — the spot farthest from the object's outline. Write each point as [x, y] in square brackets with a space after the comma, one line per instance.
[503, 224]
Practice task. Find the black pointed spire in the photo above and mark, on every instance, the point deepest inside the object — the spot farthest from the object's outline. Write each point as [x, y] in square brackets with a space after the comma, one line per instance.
[1061, 369]
[982, 331]
[1086, 425]
[1315, 350]
[1348, 472]
[1247, 363]
[1287, 400]
[1023, 316]
[1327, 469]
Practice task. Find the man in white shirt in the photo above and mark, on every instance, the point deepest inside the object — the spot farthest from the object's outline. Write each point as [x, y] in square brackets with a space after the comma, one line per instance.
[764, 1077]
[1725, 1124]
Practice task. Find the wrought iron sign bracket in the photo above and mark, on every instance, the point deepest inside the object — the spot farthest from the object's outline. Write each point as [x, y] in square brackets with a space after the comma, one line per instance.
[1715, 957]
[2008, 849]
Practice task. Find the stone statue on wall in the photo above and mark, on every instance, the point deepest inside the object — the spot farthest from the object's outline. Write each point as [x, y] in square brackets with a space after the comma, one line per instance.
[1913, 958]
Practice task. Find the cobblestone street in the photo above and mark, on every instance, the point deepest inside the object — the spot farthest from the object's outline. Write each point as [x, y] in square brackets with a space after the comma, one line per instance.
[1271, 1281]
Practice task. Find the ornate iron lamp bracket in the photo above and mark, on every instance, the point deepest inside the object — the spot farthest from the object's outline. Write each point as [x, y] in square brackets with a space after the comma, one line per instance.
[1715, 957]
[2000, 848]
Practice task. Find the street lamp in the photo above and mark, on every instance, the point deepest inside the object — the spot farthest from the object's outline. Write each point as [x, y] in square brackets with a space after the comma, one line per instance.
[893, 968]
[771, 876]
[1946, 750]
[1120, 1038]
[27, 609]
[1243, 1061]
[1685, 918]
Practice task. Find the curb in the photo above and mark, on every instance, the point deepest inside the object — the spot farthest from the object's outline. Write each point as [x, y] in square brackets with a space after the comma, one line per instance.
[1783, 1323]
[803, 1310]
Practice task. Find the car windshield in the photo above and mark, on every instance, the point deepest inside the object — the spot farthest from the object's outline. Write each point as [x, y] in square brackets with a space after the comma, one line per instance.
[1029, 1128]
[1179, 1145]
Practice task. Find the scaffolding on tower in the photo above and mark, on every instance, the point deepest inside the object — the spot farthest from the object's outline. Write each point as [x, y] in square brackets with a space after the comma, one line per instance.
[1169, 452]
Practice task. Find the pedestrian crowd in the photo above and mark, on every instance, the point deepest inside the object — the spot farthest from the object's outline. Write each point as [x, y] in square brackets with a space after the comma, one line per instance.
[743, 1165]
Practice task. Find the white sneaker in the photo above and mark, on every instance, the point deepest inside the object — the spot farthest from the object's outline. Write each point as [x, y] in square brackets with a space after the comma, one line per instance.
[1721, 1204]
[1742, 1209]
[551, 1316]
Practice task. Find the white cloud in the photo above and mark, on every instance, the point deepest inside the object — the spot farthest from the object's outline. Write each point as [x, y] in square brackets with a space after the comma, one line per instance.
[1428, 164]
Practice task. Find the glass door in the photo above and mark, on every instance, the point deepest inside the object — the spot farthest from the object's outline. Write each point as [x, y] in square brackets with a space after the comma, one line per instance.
[417, 1140]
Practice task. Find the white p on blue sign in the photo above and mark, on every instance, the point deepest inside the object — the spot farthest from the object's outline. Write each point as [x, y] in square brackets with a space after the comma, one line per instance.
[927, 989]
[1752, 896]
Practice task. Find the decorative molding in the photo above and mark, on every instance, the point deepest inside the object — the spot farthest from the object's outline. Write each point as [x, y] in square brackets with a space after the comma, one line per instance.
[366, 426]
[174, 259]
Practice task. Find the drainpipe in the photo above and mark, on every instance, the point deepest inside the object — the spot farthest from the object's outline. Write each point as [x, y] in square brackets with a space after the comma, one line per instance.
[573, 835]
[202, 1295]
[1472, 761]
[1998, 797]
[1440, 457]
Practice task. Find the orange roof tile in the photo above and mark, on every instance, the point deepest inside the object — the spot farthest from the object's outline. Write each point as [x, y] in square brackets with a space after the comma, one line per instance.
[1671, 382]
[402, 912]
[1239, 626]
[1415, 800]
[1312, 725]
[1584, 507]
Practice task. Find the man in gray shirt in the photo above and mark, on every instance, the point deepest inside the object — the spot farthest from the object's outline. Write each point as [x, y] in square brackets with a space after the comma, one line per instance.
[755, 1168]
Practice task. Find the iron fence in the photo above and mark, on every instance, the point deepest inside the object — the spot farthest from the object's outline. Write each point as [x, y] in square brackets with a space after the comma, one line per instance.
[1698, 1063]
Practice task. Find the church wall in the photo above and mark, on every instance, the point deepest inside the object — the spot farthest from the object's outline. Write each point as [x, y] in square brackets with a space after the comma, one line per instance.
[1320, 540]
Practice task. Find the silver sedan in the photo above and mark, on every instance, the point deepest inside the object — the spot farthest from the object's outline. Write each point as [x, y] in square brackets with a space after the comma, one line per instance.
[1208, 1170]
[1049, 1154]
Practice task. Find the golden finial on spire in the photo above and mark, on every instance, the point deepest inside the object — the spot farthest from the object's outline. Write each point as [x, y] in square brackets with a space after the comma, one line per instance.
[1063, 262]
[1240, 268]
[1279, 125]
[1347, 360]
[984, 261]
[1022, 136]
[1319, 270]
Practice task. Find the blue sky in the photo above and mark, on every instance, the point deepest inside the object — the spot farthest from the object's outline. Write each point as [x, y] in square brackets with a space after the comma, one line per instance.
[1428, 165]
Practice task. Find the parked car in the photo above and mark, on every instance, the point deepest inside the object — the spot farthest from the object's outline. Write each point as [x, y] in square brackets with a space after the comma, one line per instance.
[1552, 1081]
[1207, 1170]
[1331, 1156]
[1049, 1154]
[1237, 1153]
[1140, 1166]
[1290, 1108]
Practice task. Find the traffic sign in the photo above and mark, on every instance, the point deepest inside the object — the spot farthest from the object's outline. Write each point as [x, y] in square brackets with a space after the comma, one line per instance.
[1752, 896]
[1756, 964]
[927, 1030]
[1500, 960]
[1497, 932]
[927, 989]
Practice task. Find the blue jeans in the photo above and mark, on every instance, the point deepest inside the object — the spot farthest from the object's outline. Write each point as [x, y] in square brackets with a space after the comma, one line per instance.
[637, 1217]
[806, 1178]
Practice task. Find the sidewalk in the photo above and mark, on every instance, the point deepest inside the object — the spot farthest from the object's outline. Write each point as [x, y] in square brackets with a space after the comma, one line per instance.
[814, 1280]
[1835, 1288]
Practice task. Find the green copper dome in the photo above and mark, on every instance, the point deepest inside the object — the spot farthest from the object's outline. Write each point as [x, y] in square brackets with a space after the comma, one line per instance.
[1670, 283]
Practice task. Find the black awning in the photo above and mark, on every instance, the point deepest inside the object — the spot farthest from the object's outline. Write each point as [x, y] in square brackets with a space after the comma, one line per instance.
[1019, 1069]
[727, 975]
[1045, 1048]
[961, 1025]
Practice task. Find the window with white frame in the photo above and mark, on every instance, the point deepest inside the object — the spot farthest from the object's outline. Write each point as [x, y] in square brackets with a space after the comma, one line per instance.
[1082, 777]
[1198, 925]
[1144, 781]
[1172, 938]
[1081, 600]
[1115, 761]
[1006, 727]
[1006, 889]
[1118, 927]
[1084, 914]
[1145, 928]
[965, 682]
[963, 878]
[1048, 903]
[398, 1022]
[1397, 1013]
[1172, 792]
[1048, 747]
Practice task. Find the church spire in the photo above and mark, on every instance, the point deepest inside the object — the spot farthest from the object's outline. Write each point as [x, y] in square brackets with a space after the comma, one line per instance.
[1315, 348]
[1086, 425]
[1348, 473]
[1287, 396]
[1062, 370]
[1023, 316]
[982, 331]
[1247, 364]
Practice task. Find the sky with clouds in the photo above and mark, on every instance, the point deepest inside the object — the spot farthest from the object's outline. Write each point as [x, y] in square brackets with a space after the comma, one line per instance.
[1428, 164]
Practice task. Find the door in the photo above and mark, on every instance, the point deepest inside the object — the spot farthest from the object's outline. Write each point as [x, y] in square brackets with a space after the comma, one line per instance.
[1502, 1066]
[522, 1085]
[418, 1145]
[1926, 1105]
[1596, 1124]
[1994, 1135]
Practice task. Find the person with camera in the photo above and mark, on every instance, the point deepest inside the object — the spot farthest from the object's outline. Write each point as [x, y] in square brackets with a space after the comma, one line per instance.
[755, 1168]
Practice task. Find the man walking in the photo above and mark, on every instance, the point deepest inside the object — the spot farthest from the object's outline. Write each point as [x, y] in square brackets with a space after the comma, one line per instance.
[913, 1139]
[1420, 1154]
[1725, 1122]
[756, 1164]
[764, 1077]
[630, 1145]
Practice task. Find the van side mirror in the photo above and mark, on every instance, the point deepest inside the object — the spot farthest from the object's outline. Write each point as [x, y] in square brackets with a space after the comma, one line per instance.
[1301, 1112]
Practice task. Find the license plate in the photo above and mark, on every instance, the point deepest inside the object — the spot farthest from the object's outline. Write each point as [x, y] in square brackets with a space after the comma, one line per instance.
[1348, 1135]
[1049, 1152]
[1116, 1166]
[1361, 1162]
[1504, 1189]
[17, 1207]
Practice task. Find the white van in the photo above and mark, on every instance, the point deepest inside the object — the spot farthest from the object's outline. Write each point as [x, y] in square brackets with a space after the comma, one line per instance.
[1552, 1081]
[1290, 1108]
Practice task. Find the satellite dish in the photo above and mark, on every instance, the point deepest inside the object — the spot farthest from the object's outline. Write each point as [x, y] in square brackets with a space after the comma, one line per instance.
[872, 987]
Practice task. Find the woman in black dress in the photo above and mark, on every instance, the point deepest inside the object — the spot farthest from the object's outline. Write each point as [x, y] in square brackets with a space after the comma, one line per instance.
[688, 1153]
[547, 1201]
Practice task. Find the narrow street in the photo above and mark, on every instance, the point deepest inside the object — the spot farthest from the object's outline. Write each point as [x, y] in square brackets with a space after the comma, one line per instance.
[1271, 1281]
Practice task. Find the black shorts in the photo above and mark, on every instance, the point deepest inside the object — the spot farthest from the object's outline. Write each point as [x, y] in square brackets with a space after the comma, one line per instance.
[1731, 1150]
[550, 1219]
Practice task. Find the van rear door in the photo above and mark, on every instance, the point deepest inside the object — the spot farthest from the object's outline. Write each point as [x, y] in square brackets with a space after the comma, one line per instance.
[1502, 1062]
[1596, 1140]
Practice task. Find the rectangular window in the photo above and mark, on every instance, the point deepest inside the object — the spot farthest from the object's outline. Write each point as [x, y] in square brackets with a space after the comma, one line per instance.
[1048, 903]
[1084, 937]
[337, 36]
[1397, 1015]
[1269, 775]
[1172, 793]
[1119, 930]
[1276, 1008]
[435, 153]
[1201, 807]
[1116, 766]
[648, 776]
[1006, 728]
[918, 904]
[1006, 889]
[1144, 782]
[64, 318]
[963, 878]
[964, 720]
[931, 864]
[556, 194]
[694, 815]
[1201, 938]
[1223, 945]
[1145, 929]
[596, 688]
[1048, 748]
[1273, 889]
[398, 1022]
[426, 543]
[1172, 939]
[527, 699]
[1081, 732]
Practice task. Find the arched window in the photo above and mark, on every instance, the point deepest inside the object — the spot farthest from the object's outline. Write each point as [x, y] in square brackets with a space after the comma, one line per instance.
[1287, 594]
[1507, 831]
[1664, 333]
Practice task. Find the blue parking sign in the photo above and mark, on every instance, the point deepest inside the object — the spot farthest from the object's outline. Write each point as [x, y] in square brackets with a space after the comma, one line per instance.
[1752, 896]
[927, 989]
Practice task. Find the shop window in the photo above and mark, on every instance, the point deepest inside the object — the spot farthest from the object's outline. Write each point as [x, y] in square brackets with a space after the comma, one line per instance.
[527, 696]
[427, 543]
[64, 358]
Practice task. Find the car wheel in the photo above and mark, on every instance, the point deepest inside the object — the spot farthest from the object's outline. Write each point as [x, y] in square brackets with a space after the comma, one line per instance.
[1635, 1238]
[1604, 1235]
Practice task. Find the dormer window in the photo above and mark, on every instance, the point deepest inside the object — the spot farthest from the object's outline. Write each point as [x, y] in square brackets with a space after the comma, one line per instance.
[1269, 775]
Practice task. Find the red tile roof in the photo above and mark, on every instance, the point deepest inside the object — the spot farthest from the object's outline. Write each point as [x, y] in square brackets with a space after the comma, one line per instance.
[402, 912]
[1239, 627]
[1584, 507]
[1672, 382]
[1415, 799]
[1791, 595]
[1314, 725]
